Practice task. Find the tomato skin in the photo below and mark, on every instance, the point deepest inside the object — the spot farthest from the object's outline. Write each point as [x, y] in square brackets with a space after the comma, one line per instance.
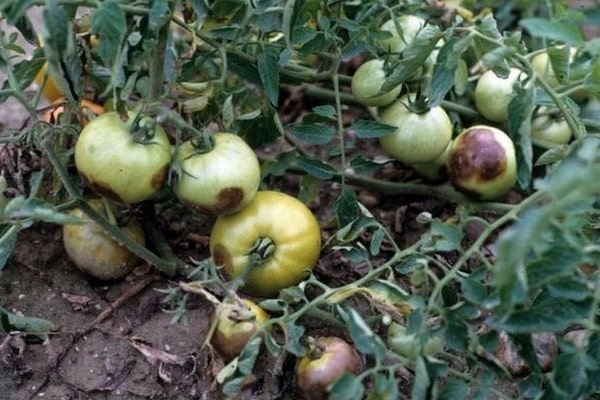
[95, 252]
[434, 170]
[283, 219]
[367, 81]
[114, 165]
[410, 25]
[232, 333]
[220, 181]
[482, 162]
[409, 346]
[314, 374]
[419, 138]
[51, 91]
[548, 128]
[493, 94]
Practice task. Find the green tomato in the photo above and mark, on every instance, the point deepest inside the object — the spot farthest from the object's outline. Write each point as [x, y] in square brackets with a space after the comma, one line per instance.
[409, 346]
[367, 82]
[543, 67]
[117, 165]
[434, 170]
[94, 251]
[482, 162]
[550, 128]
[220, 181]
[235, 324]
[409, 25]
[275, 230]
[419, 137]
[329, 359]
[493, 94]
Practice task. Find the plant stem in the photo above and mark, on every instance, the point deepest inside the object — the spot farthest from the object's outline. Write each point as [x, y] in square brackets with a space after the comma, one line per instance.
[156, 65]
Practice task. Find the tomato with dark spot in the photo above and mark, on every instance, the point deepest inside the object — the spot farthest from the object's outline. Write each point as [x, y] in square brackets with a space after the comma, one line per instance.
[482, 162]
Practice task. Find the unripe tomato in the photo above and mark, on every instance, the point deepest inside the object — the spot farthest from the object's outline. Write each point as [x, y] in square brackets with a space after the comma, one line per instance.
[493, 94]
[419, 137]
[550, 128]
[235, 325]
[409, 25]
[482, 162]
[93, 251]
[323, 365]
[367, 82]
[220, 181]
[50, 91]
[543, 67]
[275, 235]
[409, 346]
[117, 164]
[434, 170]
[88, 108]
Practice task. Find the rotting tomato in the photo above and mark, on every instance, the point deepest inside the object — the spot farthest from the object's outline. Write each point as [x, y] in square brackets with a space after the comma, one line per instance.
[549, 126]
[51, 91]
[124, 160]
[482, 162]
[94, 251]
[493, 94]
[420, 137]
[221, 180]
[89, 111]
[367, 82]
[272, 243]
[326, 360]
[235, 324]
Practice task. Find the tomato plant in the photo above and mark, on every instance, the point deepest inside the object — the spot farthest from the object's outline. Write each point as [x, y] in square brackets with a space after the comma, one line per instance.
[117, 164]
[550, 127]
[220, 180]
[271, 244]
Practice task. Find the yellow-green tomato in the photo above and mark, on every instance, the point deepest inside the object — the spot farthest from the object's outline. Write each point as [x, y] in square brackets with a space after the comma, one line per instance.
[120, 161]
[482, 162]
[235, 324]
[420, 137]
[434, 170]
[367, 82]
[493, 94]
[543, 67]
[221, 180]
[275, 235]
[409, 345]
[323, 365]
[548, 126]
[95, 252]
[408, 26]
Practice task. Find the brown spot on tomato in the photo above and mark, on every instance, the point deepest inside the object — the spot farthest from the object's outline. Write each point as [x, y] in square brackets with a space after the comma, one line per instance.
[222, 259]
[159, 178]
[228, 201]
[476, 157]
[101, 188]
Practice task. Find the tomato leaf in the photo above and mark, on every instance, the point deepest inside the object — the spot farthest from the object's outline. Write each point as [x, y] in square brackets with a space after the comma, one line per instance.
[365, 340]
[369, 129]
[159, 14]
[267, 63]
[562, 31]
[363, 165]
[8, 240]
[317, 168]
[446, 67]
[290, 15]
[38, 327]
[108, 22]
[520, 110]
[422, 383]
[310, 188]
[455, 389]
[293, 334]
[346, 207]
[317, 133]
[347, 386]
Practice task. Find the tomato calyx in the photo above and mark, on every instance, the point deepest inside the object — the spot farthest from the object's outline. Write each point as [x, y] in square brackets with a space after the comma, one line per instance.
[203, 143]
[142, 129]
[419, 105]
[314, 349]
[262, 249]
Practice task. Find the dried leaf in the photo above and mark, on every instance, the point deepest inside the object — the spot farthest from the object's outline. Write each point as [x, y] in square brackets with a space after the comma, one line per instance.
[155, 356]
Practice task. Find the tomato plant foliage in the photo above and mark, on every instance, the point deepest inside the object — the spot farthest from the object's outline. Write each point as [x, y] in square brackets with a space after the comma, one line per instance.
[480, 280]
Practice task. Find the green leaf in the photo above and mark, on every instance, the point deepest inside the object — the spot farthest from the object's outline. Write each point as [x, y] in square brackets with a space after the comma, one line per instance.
[267, 63]
[363, 165]
[520, 110]
[346, 207]
[422, 384]
[455, 389]
[317, 133]
[293, 334]
[385, 387]
[247, 357]
[310, 187]
[569, 376]
[487, 27]
[562, 31]
[160, 14]
[15, 10]
[317, 168]
[55, 31]
[37, 326]
[474, 290]
[109, 23]
[8, 240]
[347, 386]
[556, 264]
[444, 236]
[376, 241]
[354, 229]
[291, 11]
[446, 68]
[370, 129]
[364, 339]
[38, 210]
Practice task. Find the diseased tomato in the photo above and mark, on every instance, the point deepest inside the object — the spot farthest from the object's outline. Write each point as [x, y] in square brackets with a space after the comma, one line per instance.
[95, 252]
[325, 362]
[549, 126]
[275, 236]
[50, 91]
[121, 161]
[482, 162]
[409, 345]
[220, 181]
[420, 137]
[89, 110]
[367, 82]
[493, 94]
[235, 325]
